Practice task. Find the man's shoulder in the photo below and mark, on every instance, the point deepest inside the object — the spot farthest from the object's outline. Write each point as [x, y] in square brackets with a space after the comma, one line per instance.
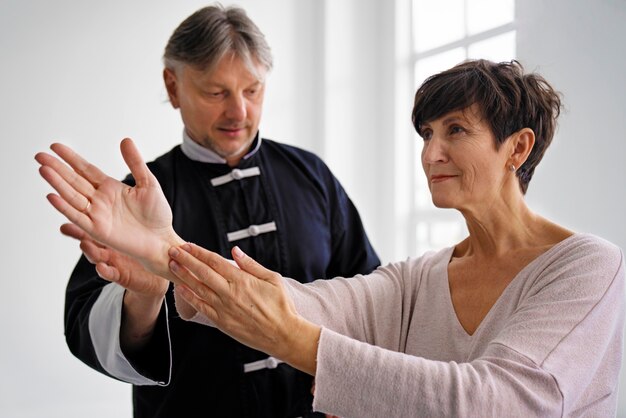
[166, 160]
[287, 148]
[295, 154]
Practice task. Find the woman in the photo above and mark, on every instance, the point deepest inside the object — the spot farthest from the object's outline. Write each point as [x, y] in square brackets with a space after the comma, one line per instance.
[522, 318]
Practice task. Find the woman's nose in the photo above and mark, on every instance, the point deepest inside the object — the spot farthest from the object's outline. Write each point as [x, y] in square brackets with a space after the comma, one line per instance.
[434, 151]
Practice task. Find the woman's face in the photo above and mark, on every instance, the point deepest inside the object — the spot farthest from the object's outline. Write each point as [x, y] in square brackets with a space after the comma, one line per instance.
[463, 168]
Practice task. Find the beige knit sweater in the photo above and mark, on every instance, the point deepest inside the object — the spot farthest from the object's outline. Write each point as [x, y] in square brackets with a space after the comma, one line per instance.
[551, 346]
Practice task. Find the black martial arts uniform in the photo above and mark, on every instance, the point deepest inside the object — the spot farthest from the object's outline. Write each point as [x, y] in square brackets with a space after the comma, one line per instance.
[283, 207]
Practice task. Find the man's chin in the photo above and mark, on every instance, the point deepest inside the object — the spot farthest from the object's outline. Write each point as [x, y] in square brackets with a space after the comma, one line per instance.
[229, 153]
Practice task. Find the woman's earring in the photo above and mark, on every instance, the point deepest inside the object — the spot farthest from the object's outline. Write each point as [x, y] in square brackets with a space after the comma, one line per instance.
[512, 168]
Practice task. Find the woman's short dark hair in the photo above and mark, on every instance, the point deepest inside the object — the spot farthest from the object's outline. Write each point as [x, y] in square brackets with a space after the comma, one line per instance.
[508, 100]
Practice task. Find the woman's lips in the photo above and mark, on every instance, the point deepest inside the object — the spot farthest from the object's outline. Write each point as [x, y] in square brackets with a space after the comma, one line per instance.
[440, 177]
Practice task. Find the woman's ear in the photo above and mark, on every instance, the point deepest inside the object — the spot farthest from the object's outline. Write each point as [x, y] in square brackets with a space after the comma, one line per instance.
[522, 144]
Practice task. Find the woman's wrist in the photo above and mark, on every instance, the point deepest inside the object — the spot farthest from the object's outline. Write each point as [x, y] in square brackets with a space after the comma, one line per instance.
[302, 345]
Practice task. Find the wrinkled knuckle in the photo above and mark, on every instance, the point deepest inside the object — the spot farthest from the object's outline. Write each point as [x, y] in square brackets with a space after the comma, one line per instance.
[213, 263]
[206, 272]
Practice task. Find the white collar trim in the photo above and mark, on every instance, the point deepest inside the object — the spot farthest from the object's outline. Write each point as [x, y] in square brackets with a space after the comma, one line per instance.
[197, 152]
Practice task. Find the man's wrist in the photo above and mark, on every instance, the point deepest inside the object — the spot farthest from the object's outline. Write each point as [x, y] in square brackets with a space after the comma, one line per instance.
[139, 315]
[159, 262]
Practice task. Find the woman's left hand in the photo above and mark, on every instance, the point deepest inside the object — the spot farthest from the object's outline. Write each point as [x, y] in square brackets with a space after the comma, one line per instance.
[248, 303]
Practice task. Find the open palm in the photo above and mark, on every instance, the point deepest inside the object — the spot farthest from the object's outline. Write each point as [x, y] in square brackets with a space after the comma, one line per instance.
[136, 221]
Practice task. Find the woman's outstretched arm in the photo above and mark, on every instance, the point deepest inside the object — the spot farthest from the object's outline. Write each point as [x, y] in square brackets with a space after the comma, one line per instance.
[249, 304]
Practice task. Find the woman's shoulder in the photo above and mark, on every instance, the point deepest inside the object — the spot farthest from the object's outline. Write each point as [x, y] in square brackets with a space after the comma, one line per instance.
[588, 247]
[581, 261]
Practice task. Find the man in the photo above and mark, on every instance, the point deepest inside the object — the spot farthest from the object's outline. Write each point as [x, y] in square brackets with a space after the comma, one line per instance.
[226, 186]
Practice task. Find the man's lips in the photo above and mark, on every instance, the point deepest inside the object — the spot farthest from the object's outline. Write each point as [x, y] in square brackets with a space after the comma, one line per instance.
[231, 131]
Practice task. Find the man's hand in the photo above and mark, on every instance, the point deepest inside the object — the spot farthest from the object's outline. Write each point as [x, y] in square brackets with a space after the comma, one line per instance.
[144, 291]
[135, 221]
[116, 267]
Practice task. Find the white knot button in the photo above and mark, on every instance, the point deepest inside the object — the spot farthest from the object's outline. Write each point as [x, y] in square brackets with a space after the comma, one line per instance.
[271, 363]
[251, 231]
[237, 174]
[268, 363]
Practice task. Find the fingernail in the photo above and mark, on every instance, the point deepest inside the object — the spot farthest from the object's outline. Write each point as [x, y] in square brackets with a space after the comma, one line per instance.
[174, 266]
[173, 252]
[237, 252]
[186, 247]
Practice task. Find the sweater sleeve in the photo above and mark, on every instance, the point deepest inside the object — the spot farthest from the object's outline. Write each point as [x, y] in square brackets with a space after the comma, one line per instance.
[358, 307]
[558, 355]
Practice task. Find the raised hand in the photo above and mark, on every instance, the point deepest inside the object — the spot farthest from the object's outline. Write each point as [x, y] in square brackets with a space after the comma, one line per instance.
[136, 221]
[248, 303]
[116, 267]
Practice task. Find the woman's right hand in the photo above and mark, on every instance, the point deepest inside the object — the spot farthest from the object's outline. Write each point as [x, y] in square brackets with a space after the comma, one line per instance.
[136, 221]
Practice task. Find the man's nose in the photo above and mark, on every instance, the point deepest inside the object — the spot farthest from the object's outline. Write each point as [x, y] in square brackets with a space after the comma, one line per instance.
[236, 107]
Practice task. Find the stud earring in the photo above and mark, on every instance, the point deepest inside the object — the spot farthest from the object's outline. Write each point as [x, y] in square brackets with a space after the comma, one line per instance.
[512, 168]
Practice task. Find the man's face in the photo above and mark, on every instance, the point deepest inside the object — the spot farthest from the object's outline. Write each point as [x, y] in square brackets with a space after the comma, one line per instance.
[221, 109]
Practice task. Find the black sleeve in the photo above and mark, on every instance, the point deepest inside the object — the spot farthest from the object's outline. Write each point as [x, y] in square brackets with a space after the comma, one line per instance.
[352, 252]
[83, 289]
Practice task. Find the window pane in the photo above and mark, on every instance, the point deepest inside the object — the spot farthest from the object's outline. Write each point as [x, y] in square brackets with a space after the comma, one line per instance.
[446, 233]
[426, 67]
[483, 15]
[437, 23]
[438, 234]
[499, 48]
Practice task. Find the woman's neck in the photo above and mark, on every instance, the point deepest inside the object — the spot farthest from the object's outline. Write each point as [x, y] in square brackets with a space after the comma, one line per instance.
[506, 227]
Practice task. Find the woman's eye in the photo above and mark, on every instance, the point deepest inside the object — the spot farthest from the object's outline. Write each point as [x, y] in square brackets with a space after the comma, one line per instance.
[456, 129]
[426, 135]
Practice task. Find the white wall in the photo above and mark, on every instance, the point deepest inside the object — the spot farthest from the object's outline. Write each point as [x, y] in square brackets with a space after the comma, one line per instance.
[88, 74]
[579, 46]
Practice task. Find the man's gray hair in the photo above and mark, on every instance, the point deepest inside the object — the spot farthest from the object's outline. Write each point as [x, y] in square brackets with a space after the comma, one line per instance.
[212, 33]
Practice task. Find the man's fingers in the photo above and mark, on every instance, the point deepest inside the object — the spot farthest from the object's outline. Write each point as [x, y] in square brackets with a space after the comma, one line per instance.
[78, 182]
[83, 167]
[94, 253]
[73, 231]
[73, 215]
[65, 189]
[138, 168]
[107, 272]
